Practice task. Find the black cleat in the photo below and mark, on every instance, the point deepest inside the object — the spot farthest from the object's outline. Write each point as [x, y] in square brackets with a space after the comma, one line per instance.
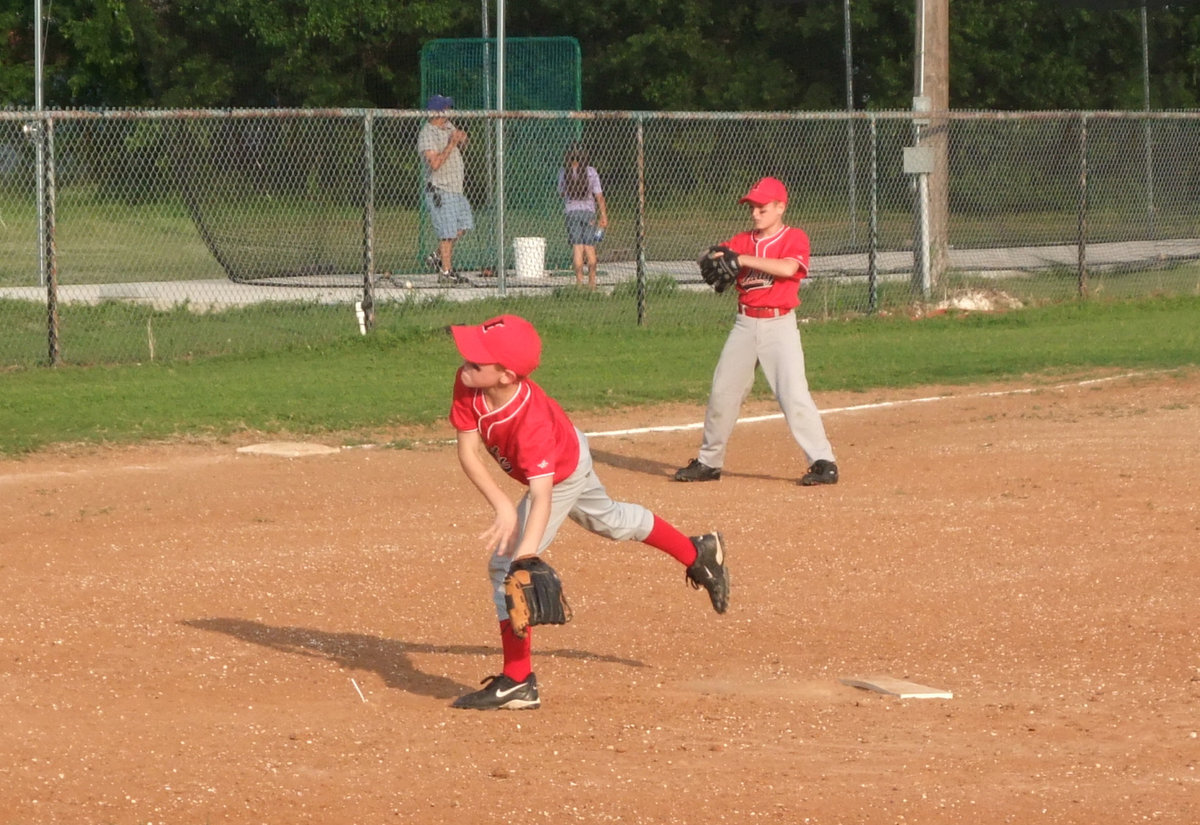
[708, 570]
[821, 472]
[502, 693]
[697, 471]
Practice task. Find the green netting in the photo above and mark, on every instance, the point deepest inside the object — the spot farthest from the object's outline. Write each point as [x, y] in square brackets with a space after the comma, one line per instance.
[541, 74]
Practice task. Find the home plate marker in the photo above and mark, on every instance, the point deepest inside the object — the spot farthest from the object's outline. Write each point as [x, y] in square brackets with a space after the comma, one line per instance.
[288, 449]
[892, 686]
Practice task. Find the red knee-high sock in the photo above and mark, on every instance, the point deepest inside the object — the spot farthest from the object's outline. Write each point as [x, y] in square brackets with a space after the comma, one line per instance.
[518, 653]
[663, 536]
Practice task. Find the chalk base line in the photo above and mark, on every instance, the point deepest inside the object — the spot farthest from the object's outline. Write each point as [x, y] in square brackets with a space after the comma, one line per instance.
[671, 428]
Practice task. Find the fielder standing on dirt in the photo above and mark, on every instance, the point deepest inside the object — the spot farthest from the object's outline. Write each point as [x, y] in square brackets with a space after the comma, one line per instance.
[766, 264]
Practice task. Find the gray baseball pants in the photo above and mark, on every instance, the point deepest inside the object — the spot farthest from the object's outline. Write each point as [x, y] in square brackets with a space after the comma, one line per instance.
[773, 343]
[582, 498]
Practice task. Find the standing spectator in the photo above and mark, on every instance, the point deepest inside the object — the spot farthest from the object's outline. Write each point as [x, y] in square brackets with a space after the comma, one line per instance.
[579, 186]
[772, 259]
[439, 144]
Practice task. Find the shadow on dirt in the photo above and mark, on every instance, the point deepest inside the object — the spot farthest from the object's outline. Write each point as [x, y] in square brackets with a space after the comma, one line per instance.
[638, 465]
[387, 657]
[661, 468]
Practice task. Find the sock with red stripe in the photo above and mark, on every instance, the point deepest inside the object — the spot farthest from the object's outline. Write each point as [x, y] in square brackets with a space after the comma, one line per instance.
[663, 536]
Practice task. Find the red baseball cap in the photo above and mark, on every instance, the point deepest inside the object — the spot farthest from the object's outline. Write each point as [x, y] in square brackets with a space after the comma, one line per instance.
[507, 340]
[766, 191]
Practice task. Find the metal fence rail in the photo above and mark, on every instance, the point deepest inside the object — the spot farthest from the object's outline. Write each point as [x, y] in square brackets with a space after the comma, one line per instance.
[166, 234]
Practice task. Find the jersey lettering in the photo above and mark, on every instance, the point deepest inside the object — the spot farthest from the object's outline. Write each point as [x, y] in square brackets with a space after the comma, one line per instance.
[505, 464]
[753, 279]
[529, 436]
[756, 288]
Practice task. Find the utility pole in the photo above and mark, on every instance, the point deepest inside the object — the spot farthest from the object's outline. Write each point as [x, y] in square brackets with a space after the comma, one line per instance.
[1150, 217]
[930, 161]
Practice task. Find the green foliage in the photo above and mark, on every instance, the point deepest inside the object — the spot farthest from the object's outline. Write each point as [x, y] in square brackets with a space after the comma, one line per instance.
[681, 55]
[17, 55]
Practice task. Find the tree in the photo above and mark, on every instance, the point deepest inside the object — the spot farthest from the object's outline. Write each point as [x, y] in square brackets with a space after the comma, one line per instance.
[638, 54]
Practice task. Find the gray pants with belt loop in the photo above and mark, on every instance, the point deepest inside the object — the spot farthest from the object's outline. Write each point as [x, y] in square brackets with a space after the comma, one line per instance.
[773, 343]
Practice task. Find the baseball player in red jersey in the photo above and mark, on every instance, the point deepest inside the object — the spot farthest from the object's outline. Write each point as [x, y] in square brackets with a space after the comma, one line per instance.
[772, 260]
[498, 408]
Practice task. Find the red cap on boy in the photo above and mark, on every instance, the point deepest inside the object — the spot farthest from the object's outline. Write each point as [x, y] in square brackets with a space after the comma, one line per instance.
[507, 340]
[766, 191]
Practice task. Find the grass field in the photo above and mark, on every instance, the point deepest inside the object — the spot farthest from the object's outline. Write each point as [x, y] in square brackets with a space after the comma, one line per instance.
[120, 330]
[102, 239]
[400, 374]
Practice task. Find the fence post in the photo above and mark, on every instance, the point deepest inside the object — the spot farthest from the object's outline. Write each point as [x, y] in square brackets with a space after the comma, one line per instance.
[873, 240]
[640, 222]
[498, 202]
[368, 300]
[1151, 218]
[46, 133]
[1081, 236]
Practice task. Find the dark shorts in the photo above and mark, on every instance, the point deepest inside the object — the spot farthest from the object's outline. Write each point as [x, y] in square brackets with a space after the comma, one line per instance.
[581, 227]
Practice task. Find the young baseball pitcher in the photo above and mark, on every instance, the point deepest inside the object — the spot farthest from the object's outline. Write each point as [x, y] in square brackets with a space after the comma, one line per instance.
[498, 408]
[767, 264]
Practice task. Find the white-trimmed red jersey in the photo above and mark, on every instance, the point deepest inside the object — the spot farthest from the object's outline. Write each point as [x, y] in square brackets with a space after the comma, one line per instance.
[530, 436]
[758, 290]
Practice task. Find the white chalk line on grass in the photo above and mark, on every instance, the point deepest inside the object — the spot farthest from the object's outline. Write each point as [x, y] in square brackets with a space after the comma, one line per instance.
[671, 428]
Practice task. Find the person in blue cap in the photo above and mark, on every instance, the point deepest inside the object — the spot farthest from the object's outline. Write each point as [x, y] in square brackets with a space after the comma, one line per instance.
[439, 144]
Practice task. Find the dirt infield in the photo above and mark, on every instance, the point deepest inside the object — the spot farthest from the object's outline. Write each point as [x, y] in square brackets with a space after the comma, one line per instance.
[194, 635]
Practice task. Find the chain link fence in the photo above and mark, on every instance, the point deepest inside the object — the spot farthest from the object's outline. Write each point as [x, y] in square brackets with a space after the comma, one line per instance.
[159, 235]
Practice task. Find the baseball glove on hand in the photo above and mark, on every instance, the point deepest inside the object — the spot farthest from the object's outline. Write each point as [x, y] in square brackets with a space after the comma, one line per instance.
[533, 595]
[719, 267]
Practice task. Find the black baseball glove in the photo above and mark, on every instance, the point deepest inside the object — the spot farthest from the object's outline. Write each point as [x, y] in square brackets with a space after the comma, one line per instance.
[533, 595]
[719, 267]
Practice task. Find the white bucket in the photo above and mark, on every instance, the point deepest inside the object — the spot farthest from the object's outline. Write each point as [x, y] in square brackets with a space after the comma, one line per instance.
[529, 257]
